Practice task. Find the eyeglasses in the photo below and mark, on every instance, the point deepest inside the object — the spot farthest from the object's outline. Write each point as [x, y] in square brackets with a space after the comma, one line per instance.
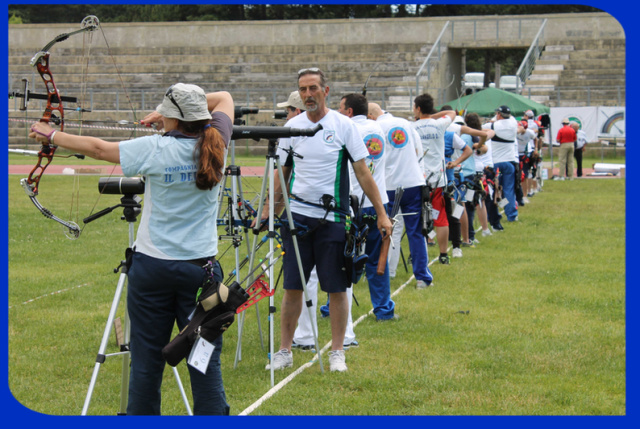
[309, 70]
[169, 95]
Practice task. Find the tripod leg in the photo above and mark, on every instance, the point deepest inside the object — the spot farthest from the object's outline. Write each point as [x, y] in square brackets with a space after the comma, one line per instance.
[254, 245]
[297, 251]
[182, 392]
[126, 358]
[244, 215]
[103, 344]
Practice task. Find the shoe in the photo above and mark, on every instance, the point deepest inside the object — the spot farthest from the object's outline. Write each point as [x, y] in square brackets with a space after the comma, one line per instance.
[514, 219]
[475, 240]
[521, 204]
[324, 311]
[392, 276]
[469, 243]
[530, 194]
[431, 243]
[444, 260]
[353, 343]
[456, 252]
[390, 319]
[486, 232]
[421, 284]
[304, 347]
[526, 200]
[337, 361]
[281, 359]
[497, 227]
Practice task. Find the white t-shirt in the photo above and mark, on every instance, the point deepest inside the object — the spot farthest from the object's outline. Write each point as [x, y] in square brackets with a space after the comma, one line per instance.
[178, 220]
[582, 139]
[484, 160]
[373, 138]
[324, 164]
[524, 140]
[402, 161]
[503, 144]
[431, 133]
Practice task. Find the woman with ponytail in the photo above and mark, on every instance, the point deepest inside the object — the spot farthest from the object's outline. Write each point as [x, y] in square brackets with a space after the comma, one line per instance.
[177, 235]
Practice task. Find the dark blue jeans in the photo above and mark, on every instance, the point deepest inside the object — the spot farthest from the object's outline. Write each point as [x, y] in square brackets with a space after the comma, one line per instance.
[161, 293]
[379, 287]
[411, 202]
[508, 182]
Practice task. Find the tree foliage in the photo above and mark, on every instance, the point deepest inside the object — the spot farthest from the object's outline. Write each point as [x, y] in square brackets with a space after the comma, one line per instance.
[71, 13]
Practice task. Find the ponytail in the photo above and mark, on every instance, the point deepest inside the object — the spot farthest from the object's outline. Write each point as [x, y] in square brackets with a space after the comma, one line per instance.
[208, 154]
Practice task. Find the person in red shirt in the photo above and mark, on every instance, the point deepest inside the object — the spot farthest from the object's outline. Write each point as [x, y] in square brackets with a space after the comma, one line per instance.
[566, 137]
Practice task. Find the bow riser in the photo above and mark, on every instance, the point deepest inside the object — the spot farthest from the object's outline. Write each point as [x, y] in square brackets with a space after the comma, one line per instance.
[54, 104]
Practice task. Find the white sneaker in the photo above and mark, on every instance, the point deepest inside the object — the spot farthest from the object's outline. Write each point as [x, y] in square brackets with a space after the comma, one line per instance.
[337, 361]
[526, 200]
[456, 252]
[281, 359]
[486, 232]
[421, 284]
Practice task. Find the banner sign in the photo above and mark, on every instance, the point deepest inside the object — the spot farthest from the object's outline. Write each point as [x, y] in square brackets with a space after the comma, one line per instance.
[597, 122]
[611, 122]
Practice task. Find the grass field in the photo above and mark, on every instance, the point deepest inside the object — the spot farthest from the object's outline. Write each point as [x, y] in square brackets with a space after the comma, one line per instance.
[530, 322]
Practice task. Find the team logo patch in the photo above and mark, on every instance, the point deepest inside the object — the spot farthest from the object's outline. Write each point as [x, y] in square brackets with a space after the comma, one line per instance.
[329, 136]
[375, 145]
[398, 137]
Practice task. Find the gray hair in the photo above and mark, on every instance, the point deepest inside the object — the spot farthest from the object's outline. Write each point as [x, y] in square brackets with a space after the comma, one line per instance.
[316, 71]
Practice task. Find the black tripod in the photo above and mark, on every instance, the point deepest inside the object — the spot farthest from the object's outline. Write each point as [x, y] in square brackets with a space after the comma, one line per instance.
[131, 209]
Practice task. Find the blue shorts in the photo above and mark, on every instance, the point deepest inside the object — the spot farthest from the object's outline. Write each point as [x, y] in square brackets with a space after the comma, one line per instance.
[322, 247]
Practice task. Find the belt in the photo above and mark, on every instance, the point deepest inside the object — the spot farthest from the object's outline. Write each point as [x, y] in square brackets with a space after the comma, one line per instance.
[202, 261]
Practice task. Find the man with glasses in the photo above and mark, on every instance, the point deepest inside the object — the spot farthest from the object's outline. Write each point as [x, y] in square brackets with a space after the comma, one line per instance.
[317, 175]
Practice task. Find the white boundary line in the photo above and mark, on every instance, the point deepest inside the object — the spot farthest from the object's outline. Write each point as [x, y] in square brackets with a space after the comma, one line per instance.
[294, 374]
[52, 293]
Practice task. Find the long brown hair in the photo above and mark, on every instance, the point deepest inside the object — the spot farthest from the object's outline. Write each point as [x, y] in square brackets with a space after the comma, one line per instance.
[473, 121]
[208, 153]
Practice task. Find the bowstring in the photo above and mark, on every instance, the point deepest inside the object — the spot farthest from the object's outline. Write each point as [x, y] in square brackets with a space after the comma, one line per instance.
[87, 43]
[133, 110]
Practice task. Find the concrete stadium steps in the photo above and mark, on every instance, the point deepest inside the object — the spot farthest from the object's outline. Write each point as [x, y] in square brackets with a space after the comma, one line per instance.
[256, 70]
[586, 72]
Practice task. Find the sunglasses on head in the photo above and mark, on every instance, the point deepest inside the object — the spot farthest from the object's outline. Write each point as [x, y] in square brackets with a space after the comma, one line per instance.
[169, 95]
[309, 70]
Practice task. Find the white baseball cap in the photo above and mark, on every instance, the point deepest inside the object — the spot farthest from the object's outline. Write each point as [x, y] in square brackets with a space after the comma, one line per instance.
[293, 101]
[184, 102]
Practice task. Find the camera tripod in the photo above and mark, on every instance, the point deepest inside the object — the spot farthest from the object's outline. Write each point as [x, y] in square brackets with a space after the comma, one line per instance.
[131, 205]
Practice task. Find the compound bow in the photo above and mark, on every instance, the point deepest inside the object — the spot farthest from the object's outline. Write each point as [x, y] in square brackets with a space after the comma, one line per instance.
[54, 104]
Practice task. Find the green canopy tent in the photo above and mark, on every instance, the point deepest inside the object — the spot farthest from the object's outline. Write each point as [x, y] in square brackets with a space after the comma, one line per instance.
[486, 101]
